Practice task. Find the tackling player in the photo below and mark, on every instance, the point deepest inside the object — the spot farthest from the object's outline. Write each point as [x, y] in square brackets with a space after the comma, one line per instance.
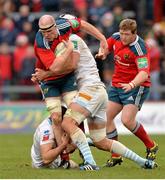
[51, 33]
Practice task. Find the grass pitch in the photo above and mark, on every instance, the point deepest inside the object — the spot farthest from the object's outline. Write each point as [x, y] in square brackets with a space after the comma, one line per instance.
[15, 162]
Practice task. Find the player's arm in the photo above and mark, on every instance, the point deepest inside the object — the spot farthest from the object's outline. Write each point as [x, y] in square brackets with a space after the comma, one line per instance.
[90, 29]
[64, 63]
[141, 77]
[77, 24]
[41, 74]
[49, 153]
[110, 43]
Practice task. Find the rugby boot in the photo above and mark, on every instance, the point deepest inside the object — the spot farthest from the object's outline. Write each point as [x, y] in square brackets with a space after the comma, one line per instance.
[149, 164]
[114, 161]
[151, 152]
[89, 167]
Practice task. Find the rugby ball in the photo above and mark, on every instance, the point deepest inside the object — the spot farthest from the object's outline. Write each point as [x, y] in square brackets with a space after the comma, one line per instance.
[60, 49]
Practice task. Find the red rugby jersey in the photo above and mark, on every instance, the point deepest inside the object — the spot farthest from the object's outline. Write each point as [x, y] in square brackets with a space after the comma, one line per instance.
[129, 60]
[45, 50]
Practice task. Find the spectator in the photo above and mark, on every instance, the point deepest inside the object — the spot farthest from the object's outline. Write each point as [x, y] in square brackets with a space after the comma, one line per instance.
[5, 68]
[107, 24]
[50, 5]
[19, 54]
[96, 11]
[28, 66]
[154, 68]
[28, 31]
[36, 6]
[81, 8]
[8, 31]
[24, 15]
[118, 16]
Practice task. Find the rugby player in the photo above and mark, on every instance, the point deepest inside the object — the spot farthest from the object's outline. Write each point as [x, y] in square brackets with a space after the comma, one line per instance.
[130, 86]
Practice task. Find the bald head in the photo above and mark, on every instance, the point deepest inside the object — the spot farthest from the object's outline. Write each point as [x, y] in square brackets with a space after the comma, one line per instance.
[46, 22]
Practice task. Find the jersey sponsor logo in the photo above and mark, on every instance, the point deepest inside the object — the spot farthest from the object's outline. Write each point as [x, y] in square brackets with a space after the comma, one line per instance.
[118, 59]
[142, 63]
[126, 56]
[46, 135]
[75, 44]
[130, 98]
[74, 23]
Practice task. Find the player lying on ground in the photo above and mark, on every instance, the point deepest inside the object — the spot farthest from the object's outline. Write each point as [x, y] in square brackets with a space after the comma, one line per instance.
[44, 152]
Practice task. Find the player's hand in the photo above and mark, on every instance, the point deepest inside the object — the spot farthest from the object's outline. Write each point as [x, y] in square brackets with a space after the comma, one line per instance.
[40, 74]
[34, 79]
[103, 50]
[68, 44]
[65, 139]
[100, 54]
[126, 87]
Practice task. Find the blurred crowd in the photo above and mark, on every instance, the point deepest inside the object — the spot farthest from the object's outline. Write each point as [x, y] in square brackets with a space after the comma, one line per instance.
[19, 24]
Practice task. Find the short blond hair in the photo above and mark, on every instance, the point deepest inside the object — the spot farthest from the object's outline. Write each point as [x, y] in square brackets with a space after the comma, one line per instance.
[128, 24]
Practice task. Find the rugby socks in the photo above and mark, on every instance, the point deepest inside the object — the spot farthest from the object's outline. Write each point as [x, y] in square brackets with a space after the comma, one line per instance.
[79, 138]
[119, 148]
[114, 136]
[140, 132]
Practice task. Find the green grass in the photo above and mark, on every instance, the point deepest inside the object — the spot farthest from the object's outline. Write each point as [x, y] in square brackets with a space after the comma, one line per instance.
[15, 161]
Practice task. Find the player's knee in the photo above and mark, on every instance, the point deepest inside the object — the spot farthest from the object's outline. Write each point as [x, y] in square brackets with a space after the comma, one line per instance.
[68, 97]
[126, 122]
[74, 115]
[98, 135]
[53, 105]
[56, 118]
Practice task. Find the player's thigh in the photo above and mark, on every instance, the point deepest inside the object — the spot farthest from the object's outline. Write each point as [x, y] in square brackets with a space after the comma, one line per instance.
[97, 129]
[92, 98]
[69, 83]
[68, 97]
[50, 89]
[129, 113]
[53, 104]
[113, 108]
[113, 94]
[74, 115]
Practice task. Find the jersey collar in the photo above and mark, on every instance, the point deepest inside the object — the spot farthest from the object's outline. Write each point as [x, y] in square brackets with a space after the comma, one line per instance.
[136, 40]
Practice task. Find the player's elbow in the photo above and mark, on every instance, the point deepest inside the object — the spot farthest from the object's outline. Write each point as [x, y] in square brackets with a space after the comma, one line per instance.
[145, 75]
[46, 161]
[55, 69]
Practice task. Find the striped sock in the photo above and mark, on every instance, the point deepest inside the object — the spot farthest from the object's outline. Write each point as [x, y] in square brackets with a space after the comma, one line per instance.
[134, 157]
[119, 148]
[79, 138]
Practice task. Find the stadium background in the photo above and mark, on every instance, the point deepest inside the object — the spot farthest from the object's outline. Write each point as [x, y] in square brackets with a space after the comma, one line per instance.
[18, 25]
[21, 105]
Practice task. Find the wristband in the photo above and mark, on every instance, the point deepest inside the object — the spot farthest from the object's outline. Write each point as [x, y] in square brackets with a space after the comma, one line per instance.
[132, 84]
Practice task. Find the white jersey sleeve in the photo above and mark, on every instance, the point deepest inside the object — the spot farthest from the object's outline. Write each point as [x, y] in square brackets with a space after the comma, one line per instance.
[86, 72]
[76, 43]
[46, 134]
[43, 135]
